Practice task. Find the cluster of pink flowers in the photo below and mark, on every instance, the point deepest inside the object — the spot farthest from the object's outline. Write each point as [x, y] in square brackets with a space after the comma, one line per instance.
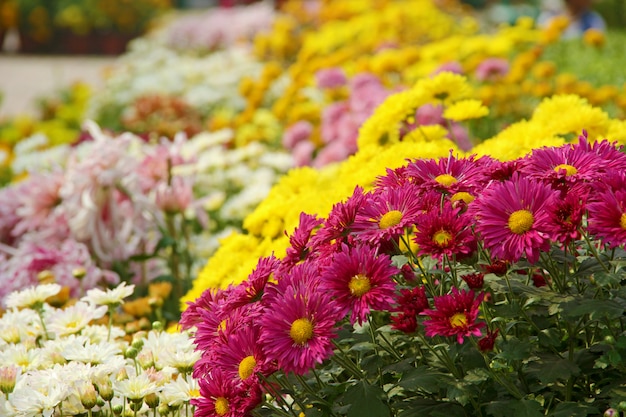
[338, 270]
[341, 120]
[221, 27]
[103, 206]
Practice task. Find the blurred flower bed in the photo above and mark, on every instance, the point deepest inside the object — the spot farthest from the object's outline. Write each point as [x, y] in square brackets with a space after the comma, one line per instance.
[177, 175]
[80, 26]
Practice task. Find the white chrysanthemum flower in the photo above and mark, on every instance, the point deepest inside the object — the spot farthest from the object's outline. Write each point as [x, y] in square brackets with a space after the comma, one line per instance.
[110, 297]
[98, 333]
[182, 359]
[32, 297]
[158, 343]
[180, 391]
[75, 318]
[92, 353]
[19, 355]
[20, 325]
[29, 401]
[136, 387]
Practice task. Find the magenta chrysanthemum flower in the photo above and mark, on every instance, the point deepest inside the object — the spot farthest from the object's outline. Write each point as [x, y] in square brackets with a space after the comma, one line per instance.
[612, 154]
[511, 217]
[300, 246]
[252, 289]
[562, 166]
[410, 303]
[340, 220]
[450, 174]
[444, 232]
[454, 315]
[298, 328]
[360, 280]
[221, 397]
[607, 213]
[566, 215]
[385, 214]
[241, 356]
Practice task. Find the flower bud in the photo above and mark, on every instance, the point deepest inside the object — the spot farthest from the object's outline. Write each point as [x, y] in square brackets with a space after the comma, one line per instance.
[163, 409]
[611, 412]
[79, 273]
[88, 395]
[8, 377]
[117, 409]
[46, 277]
[131, 353]
[152, 400]
[105, 389]
[157, 326]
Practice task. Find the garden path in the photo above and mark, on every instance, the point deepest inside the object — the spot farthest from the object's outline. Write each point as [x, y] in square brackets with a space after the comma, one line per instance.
[25, 78]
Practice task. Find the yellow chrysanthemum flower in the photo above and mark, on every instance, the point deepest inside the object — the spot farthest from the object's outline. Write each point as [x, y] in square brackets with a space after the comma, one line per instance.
[445, 87]
[465, 110]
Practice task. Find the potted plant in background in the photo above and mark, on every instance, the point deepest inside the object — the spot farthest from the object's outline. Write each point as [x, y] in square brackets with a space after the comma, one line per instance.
[75, 22]
[34, 25]
[120, 21]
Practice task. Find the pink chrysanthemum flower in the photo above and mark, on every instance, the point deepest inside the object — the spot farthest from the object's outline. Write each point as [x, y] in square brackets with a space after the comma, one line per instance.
[512, 216]
[445, 232]
[612, 154]
[220, 396]
[566, 215]
[252, 289]
[607, 213]
[360, 280]
[331, 78]
[240, 357]
[454, 315]
[450, 174]
[208, 301]
[298, 328]
[300, 240]
[393, 178]
[562, 167]
[385, 214]
[492, 69]
[339, 223]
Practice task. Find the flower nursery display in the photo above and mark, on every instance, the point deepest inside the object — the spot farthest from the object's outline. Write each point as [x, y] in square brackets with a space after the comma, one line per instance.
[320, 209]
[456, 285]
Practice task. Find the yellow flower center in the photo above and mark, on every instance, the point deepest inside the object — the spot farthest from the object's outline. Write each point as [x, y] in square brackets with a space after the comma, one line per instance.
[359, 285]
[458, 320]
[390, 219]
[569, 170]
[462, 196]
[622, 221]
[442, 238]
[246, 367]
[221, 406]
[521, 221]
[301, 331]
[222, 326]
[445, 179]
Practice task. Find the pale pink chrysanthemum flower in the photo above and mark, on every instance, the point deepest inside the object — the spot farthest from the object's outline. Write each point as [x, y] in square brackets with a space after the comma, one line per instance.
[8, 213]
[103, 201]
[61, 259]
[492, 69]
[331, 78]
[296, 133]
[39, 202]
[174, 196]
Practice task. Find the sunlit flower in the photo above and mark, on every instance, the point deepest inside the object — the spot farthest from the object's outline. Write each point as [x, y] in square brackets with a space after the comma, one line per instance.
[32, 297]
[109, 297]
[360, 280]
[74, 318]
[511, 217]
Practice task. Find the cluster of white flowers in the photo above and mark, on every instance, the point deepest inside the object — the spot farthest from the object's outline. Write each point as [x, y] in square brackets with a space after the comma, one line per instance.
[57, 362]
[206, 82]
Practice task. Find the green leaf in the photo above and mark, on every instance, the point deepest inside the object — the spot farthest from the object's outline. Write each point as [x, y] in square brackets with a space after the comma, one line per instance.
[514, 349]
[587, 267]
[431, 408]
[595, 308]
[424, 379]
[549, 370]
[515, 408]
[366, 400]
[604, 279]
[570, 409]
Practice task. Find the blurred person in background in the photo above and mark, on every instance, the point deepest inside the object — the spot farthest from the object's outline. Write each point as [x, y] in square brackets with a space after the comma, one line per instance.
[579, 13]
